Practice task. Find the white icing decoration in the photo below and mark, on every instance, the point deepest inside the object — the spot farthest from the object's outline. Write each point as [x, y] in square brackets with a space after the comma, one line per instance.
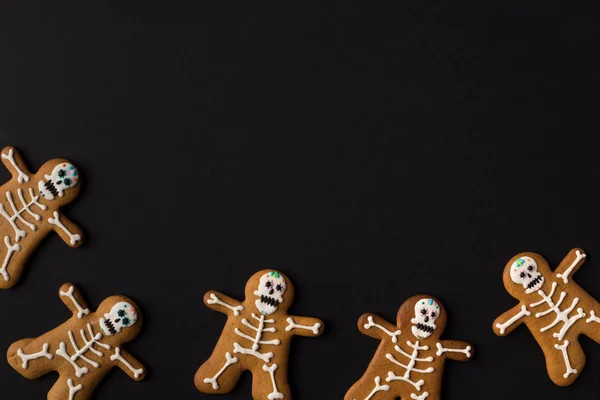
[378, 388]
[414, 357]
[213, 381]
[592, 318]
[20, 233]
[80, 310]
[79, 353]
[256, 340]
[371, 323]
[121, 315]
[565, 276]
[28, 357]
[275, 394]
[270, 291]
[563, 349]
[421, 397]
[314, 328]
[561, 316]
[73, 238]
[524, 271]
[137, 372]
[64, 177]
[73, 389]
[215, 300]
[441, 350]
[426, 312]
[10, 250]
[519, 315]
[21, 176]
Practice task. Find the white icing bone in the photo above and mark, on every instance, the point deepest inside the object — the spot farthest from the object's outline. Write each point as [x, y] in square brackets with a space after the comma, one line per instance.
[421, 397]
[80, 352]
[561, 316]
[62, 351]
[519, 315]
[73, 389]
[21, 176]
[215, 300]
[137, 372]
[314, 328]
[10, 250]
[413, 358]
[378, 388]
[28, 357]
[80, 310]
[20, 233]
[441, 350]
[565, 276]
[213, 380]
[592, 318]
[275, 394]
[256, 340]
[563, 349]
[73, 238]
[371, 323]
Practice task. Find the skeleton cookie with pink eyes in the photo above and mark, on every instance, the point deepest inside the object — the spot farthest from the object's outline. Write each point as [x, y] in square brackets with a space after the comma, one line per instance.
[426, 312]
[270, 292]
[524, 271]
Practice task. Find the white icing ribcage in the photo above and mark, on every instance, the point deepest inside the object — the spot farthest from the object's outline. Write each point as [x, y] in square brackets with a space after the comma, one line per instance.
[409, 367]
[256, 338]
[79, 352]
[561, 315]
[15, 214]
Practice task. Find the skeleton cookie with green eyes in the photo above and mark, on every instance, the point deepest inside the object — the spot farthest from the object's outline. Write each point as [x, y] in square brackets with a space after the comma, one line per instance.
[409, 362]
[554, 308]
[84, 348]
[256, 338]
[29, 210]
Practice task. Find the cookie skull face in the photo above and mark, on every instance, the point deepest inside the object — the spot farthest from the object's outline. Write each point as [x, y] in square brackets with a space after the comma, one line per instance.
[63, 177]
[121, 315]
[426, 312]
[270, 292]
[524, 271]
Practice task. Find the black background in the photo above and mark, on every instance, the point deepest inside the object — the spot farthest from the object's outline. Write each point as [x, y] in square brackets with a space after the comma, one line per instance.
[371, 150]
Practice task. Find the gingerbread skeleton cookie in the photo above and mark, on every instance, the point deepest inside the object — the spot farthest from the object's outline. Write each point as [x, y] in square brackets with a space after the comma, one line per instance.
[256, 338]
[554, 308]
[409, 361]
[29, 210]
[84, 348]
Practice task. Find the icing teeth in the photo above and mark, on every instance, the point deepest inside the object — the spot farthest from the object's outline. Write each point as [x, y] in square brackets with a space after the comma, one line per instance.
[269, 300]
[110, 327]
[51, 188]
[534, 282]
[425, 328]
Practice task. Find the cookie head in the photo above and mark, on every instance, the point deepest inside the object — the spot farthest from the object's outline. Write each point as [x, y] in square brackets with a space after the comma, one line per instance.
[63, 178]
[427, 311]
[524, 272]
[270, 292]
[121, 316]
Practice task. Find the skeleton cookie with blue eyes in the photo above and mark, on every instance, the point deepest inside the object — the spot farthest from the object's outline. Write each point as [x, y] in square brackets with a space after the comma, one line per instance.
[84, 348]
[256, 338]
[29, 210]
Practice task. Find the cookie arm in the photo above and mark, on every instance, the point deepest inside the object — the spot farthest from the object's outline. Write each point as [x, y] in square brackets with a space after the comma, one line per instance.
[570, 264]
[128, 364]
[14, 163]
[72, 298]
[507, 322]
[454, 350]
[304, 326]
[70, 233]
[222, 303]
[378, 328]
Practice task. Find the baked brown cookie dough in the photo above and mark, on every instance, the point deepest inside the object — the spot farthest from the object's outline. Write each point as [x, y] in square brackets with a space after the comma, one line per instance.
[29, 210]
[256, 338]
[409, 362]
[554, 308]
[84, 348]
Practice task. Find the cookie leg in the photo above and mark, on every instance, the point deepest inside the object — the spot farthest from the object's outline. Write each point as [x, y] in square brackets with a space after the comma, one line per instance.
[31, 358]
[219, 374]
[70, 389]
[564, 362]
[592, 325]
[370, 387]
[270, 382]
